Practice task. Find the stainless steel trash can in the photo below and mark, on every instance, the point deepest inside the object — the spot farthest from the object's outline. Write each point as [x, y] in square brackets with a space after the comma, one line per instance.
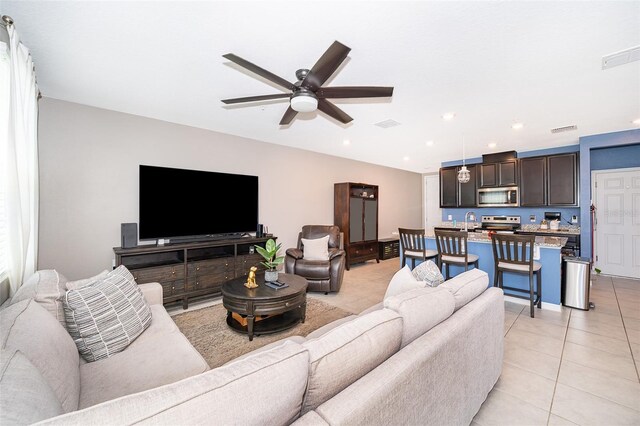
[576, 280]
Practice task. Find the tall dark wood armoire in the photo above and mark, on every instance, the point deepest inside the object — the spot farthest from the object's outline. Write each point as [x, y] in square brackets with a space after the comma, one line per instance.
[356, 213]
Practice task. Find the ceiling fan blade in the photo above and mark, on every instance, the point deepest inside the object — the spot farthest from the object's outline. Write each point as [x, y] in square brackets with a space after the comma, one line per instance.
[354, 92]
[288, 116]
[260, 71]
[333, 111]
[256, 98]
[326, 65]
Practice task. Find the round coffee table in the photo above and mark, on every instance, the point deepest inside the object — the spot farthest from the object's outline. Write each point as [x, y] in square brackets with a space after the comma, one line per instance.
[277, 309]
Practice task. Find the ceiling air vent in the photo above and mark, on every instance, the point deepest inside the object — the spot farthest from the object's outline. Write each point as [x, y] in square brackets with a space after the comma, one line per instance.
[620, 58]
[387, 123]
[564, 129]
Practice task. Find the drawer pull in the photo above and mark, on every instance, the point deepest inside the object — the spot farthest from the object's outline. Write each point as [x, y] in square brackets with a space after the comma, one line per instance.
[197, 268]
[287, 304]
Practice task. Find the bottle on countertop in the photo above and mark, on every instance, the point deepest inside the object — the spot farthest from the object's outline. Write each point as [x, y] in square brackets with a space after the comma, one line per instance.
[455, 223]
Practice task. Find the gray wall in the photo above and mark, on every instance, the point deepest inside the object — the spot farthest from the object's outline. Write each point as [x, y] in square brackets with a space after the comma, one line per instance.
[89, 161]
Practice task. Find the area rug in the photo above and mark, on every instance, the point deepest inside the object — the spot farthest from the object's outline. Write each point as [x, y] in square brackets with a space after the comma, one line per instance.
[208, 332]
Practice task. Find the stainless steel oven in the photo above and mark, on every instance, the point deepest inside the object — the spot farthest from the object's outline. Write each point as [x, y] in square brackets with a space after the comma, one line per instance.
[498, 197]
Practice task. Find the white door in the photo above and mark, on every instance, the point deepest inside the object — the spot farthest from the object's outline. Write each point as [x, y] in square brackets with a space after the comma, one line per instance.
[617, 242]
[432, 210]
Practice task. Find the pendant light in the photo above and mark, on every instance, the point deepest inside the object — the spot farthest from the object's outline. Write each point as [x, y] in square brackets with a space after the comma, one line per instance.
[463, 174]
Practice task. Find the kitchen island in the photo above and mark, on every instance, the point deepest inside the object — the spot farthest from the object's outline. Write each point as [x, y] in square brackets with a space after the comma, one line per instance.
[546, 251]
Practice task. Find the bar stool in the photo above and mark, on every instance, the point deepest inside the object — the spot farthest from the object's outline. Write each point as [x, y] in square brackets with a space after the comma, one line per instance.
[413, 246]
[514, 253]
[452, 250]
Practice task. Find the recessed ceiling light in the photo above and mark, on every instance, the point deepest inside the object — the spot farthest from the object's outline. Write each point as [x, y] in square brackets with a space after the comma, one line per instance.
[636, 121]
[492, 145]
[448, 116]
[429, 143]
[517, 126]
[406, 158]
[346, 142]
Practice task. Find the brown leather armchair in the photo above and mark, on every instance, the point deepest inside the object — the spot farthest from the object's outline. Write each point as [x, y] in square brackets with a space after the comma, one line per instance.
[322, 275]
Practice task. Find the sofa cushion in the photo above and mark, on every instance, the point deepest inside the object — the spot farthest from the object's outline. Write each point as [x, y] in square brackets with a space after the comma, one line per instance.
[266, 388]
[348, 352]
[421, 310]
[156, 358]
[402, 281]
[28, 327]
[47, 288]
[328, 327]
[467, 286]
[26, 396]
[429, 273]
[72, 285]
[105, 316]
[316, 249]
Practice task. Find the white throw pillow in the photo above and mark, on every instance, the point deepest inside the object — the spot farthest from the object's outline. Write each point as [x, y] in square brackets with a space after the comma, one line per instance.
[105, 316]
[402, 281]
[47, 288]
[317, 249]
[429, 273]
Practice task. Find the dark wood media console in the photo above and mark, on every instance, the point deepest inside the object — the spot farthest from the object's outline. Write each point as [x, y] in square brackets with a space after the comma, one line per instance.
[188, 270]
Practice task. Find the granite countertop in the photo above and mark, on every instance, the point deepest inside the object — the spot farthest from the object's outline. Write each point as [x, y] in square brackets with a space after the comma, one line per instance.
[526, 227]
[541, 241]
[565, 229]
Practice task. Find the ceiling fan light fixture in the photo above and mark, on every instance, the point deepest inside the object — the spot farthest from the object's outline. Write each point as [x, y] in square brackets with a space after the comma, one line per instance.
[304, 102]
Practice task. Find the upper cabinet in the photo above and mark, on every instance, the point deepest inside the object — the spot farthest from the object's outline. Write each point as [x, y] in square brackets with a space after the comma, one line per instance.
[562, 183]
[549, 180]
[454, 193]
[504, 173]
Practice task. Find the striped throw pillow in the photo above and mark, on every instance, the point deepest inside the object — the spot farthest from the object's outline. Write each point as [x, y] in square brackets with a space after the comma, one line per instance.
[105, 316]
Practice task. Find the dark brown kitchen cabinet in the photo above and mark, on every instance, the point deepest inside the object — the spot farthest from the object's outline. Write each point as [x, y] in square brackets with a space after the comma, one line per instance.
[504, 173]
[454, 193]
[449, 187]
[550, 180]
[533, 181]
[562, 183]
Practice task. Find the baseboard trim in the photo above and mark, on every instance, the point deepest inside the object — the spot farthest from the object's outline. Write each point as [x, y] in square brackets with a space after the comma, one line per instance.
[545, 305]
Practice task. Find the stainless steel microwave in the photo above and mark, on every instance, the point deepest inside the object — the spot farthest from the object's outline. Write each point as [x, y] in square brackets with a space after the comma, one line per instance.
[498, 197]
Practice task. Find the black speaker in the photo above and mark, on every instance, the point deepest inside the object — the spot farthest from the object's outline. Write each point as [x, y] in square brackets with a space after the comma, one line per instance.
[129, 235]
[260, 231]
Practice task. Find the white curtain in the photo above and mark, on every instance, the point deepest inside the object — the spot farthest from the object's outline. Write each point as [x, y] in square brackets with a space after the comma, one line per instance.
[19, 157]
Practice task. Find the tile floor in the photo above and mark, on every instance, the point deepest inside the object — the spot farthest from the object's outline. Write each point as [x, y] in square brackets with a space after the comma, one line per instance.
[560, 368]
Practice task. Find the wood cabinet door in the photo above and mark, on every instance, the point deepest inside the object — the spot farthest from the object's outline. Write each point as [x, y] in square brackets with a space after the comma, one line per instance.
[448, 187]
[468, 191]
[508, 173]
[356, 217]
[562, 179]
[533, 181]
[488, 175]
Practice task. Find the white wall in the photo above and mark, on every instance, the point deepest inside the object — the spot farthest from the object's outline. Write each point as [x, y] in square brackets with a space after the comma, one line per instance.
[89, 161]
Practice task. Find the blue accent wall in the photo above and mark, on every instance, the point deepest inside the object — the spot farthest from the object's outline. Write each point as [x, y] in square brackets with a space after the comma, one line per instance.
[600, 146]
[523, 212]
[620, 157]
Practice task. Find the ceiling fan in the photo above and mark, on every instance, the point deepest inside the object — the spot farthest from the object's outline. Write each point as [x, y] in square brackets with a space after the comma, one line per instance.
[307, 94]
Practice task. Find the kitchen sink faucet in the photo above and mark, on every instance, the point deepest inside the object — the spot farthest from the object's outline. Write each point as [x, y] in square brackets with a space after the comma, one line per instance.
[468, 216]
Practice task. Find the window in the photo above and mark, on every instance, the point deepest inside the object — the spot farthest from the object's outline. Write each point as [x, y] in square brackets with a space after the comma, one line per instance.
[4, 242]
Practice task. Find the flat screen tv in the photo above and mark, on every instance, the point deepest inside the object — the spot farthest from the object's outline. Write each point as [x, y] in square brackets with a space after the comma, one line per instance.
[191, 203]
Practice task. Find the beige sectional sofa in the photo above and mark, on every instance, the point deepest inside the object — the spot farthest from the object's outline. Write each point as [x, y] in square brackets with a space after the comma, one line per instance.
[426, 356]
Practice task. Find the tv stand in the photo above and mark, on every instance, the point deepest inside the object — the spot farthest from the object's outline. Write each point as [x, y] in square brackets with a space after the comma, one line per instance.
[192, 269]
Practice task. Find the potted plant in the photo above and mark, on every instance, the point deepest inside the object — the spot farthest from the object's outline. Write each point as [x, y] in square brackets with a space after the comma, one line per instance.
[269, 253]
